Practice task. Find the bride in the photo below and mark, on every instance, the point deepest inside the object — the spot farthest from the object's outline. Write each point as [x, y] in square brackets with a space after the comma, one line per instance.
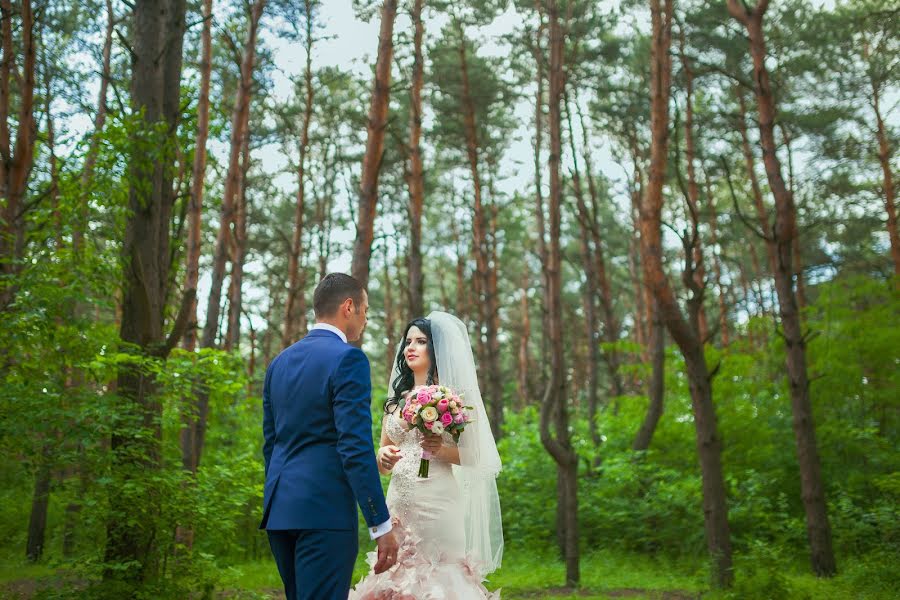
[448, 524]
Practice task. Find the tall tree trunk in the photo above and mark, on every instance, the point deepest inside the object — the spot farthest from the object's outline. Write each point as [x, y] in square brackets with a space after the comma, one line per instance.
[656, 390]
[611, 329]
[239, 254]
[193, 437]
[541, 227]
[487, 303]
[325, 207]
[240, 118]
[295, 305]
[554, 408]
[415, 177]
[642, 294]
[37, 523]
[785, 230]
[589, 296]
[684, 332]
[797, 266]
[887, 186]
[198, 175]
[461, 293]
[524, 356]
[90, 159]
[158, 28]
[762, 213]
[495, 381]
[693, 195]
[717, 266]
[389, 320]
[371, 167]
[15, 157]
[275, 291]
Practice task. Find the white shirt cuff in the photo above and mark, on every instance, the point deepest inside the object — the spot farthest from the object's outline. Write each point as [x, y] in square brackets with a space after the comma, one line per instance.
[377, 532]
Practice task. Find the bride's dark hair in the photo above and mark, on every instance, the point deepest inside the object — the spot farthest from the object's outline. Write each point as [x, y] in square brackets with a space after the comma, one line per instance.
[405, 380]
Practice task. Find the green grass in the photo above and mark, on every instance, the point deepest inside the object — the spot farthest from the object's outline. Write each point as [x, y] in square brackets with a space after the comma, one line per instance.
[605, 575]
[10, 571]
[608, 575]
[525, 576]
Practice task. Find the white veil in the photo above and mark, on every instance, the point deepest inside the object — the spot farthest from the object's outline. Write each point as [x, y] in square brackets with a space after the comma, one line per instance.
[479, 460]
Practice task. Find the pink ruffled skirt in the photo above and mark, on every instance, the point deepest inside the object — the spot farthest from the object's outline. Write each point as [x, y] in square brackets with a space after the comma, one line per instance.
[421, 573]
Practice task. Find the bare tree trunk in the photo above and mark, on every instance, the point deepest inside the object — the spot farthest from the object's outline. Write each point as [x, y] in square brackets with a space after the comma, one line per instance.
[100, 117]
[275, 291]
[640, 311]
[415, 177]
[198, 175]
[193, 437]
[461, 295]
[797, 267]
[611, 329]
[389, 321]
[717, 267]
[325, 209]
[524, 356]
[37, 523]
[642, 294]
[887, 186]
[656, 388]
[295, 304]
[487, 304]
[495, 380]
[371, 168]
[762, 212]
[589, 296]
[15, 157]
[239, 253]
[541, 227]
[785, 230]
[240, 118]
[158, 28]
[554, 409]
[693, 195]
[685, 332]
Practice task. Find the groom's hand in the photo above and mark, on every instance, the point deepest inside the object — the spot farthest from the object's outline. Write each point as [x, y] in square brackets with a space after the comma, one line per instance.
[387, 552]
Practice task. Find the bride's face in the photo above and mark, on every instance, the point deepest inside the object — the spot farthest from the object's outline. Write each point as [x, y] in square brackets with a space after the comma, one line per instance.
[416, 351]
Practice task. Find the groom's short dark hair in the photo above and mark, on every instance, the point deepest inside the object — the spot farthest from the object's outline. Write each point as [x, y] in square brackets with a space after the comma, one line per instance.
[333, 290]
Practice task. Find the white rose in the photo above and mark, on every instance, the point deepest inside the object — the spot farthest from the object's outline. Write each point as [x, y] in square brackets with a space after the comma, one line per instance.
[429, 413]
[437, 428]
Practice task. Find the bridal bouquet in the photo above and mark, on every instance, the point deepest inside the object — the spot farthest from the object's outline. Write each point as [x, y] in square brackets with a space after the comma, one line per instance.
[435, 409]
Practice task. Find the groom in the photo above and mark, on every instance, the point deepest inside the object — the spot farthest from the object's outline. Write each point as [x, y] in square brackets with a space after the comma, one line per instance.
[319, 453]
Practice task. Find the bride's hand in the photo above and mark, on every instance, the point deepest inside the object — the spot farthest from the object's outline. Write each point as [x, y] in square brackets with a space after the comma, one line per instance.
[432, 443]
[388, 457]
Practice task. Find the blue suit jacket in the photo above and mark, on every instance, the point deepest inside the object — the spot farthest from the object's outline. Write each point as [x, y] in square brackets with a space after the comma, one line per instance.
[318, 449]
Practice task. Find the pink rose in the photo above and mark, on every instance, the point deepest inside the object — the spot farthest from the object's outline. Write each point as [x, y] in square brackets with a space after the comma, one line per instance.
[429, 424]
[443, 405]
[424, 397]
[458, 418]
[446, 419]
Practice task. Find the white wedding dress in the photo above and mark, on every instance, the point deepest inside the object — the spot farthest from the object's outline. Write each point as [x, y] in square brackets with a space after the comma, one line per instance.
[426, 511]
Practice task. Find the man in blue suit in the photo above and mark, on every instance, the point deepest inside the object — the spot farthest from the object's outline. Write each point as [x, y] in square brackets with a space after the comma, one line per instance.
[320, 459]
